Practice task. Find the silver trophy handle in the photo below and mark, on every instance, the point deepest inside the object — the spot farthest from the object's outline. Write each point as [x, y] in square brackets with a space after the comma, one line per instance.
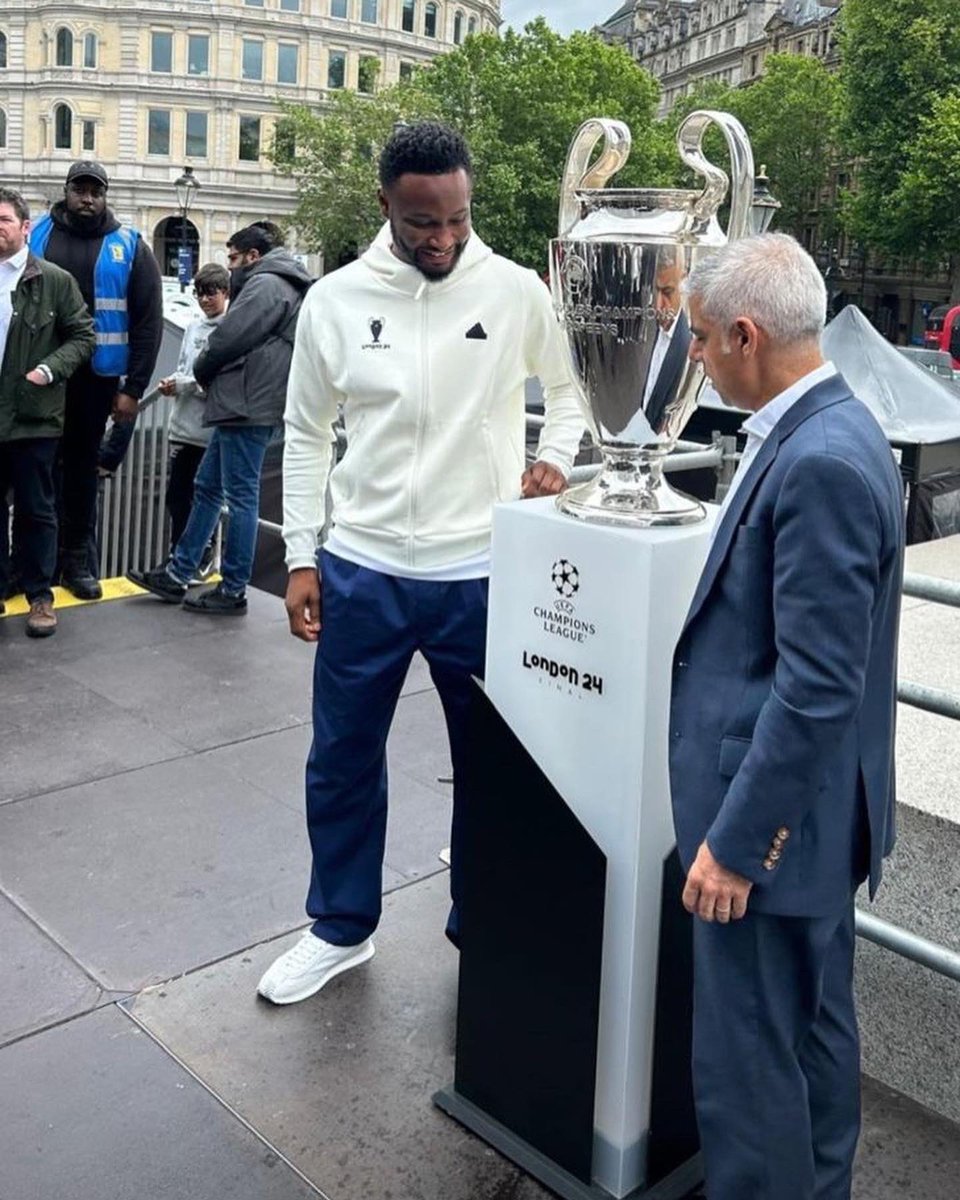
[690, 144]
[578, 173]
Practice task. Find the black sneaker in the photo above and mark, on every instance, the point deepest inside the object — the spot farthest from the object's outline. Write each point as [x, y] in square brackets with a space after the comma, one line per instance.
[216, 601]
[160, 582]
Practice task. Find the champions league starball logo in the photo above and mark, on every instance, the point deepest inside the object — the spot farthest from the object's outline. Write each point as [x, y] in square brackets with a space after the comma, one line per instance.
[566, 579]
[559, 618]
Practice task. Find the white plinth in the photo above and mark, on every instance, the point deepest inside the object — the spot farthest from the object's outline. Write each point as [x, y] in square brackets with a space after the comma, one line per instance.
[578, 664]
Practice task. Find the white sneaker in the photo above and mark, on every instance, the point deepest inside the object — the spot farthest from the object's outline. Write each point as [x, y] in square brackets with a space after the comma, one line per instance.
[308, 966]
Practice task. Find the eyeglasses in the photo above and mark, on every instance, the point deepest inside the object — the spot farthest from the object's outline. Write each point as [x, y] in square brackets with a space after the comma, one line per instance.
[206, 289]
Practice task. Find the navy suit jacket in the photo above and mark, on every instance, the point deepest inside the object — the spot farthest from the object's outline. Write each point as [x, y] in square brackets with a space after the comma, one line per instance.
[784, 678]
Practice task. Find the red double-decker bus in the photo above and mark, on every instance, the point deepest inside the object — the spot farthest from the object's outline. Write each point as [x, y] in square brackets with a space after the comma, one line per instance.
[942, 331]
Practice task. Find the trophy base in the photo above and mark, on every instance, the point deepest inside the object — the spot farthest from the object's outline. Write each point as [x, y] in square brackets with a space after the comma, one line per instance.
[640, 499]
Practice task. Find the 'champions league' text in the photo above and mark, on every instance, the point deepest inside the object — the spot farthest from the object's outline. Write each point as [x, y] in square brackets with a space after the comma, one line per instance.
[564, 625]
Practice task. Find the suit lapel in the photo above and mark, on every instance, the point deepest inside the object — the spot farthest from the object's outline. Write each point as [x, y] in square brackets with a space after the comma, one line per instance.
[665, 386]
[829, 392]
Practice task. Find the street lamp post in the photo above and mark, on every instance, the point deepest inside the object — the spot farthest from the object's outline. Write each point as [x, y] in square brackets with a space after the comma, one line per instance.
[764, 205]
[186, 187]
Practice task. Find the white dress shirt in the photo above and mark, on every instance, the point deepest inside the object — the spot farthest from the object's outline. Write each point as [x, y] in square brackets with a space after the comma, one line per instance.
[759, 425]
[10, 271]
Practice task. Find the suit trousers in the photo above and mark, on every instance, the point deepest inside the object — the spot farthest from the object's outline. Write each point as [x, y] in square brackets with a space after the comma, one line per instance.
[372, 625]
[776, 1056]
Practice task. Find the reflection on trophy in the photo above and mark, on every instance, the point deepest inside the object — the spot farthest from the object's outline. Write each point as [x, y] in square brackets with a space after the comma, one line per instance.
[616, 272]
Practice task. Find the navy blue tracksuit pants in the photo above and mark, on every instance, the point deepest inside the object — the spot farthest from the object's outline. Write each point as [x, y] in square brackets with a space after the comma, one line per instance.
[372, 625]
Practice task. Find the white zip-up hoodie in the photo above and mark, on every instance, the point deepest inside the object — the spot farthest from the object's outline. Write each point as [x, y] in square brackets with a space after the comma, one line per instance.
[430, 378]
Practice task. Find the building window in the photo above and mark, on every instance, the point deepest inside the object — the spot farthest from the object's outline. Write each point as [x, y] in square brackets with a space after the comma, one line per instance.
[3, 130]
[90, 50]
[753, 63]
[458, 28]
[338, 9]
[252, 59]
[287, 62]
[368, 11]
[195, 142]
[430, 20]
[409, 18]
[161, 52]
[3, 51]
[64, 48]
[290, 5]
[367, 73]
[471, 27]
[198, 54]
[158, 131]
[249, 150]
[406, 71]
[62, 127]
[253, 3]
[89, 135]
[336, 69]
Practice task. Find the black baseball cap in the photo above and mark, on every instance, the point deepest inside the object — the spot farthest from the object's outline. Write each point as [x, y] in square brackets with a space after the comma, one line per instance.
[86, 168]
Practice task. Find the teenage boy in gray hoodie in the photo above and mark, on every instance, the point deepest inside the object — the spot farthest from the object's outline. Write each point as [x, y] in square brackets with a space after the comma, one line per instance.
[188, 437]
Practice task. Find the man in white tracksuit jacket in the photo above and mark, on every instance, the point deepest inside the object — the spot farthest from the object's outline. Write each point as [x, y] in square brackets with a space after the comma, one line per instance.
[424, 344]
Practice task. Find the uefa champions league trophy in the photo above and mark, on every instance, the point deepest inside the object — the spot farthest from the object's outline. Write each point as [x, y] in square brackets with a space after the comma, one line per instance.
[616, 271]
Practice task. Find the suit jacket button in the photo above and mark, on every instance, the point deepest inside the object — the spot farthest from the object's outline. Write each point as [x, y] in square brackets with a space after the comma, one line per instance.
[768, 865]
[777, 842]
[783, 833]
[774, 854]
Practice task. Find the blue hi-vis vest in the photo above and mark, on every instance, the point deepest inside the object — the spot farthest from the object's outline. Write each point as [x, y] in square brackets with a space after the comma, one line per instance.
[111, 277]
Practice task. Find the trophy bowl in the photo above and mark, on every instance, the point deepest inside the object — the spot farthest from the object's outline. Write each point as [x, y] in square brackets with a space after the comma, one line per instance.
[616, 275]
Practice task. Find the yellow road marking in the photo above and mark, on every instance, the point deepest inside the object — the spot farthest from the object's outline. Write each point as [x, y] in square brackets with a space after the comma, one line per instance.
[113, 589]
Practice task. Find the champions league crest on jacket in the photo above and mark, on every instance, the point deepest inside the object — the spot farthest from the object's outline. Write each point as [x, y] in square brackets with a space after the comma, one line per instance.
[376, 325]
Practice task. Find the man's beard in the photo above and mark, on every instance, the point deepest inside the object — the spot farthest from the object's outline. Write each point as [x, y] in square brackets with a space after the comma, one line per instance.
[410, 257]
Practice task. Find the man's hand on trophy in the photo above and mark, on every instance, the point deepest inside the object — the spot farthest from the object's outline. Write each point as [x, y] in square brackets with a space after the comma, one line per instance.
[304, 603]
[541, 480]
[712, 892]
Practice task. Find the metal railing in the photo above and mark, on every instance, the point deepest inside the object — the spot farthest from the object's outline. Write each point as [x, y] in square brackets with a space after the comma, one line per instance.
[133, 526]
[871, 928]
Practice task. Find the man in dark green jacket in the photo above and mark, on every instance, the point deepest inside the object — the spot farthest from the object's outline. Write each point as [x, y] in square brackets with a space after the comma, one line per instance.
[46, 333]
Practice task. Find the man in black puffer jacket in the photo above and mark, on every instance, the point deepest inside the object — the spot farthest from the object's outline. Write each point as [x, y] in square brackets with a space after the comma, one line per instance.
[243, 371]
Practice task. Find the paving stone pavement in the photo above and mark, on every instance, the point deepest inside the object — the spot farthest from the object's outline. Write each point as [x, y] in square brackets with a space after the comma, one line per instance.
[153, 861]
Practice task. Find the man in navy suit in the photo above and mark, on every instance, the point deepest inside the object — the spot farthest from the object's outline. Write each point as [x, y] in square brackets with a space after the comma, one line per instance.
[782, 733]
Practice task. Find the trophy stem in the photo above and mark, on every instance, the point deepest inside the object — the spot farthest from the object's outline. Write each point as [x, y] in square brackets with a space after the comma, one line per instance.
[630, 490]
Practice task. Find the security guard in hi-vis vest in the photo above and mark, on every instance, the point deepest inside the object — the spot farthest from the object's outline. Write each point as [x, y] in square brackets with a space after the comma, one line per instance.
[120, 283]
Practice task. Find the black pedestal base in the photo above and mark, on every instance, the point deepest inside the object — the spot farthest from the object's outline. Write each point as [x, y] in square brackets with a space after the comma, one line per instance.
[677, 1185]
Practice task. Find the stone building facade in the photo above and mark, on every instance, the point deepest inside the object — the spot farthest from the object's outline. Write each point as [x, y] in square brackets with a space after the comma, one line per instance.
[148, 87]
[683, 43]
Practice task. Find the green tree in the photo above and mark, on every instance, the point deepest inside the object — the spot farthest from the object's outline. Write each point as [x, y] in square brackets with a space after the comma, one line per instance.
[901, 63]
[925, 202]
[517, 99]
[791, 114]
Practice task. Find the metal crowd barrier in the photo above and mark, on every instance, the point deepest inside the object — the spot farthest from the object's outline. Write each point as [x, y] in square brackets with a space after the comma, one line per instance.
[133, 527]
